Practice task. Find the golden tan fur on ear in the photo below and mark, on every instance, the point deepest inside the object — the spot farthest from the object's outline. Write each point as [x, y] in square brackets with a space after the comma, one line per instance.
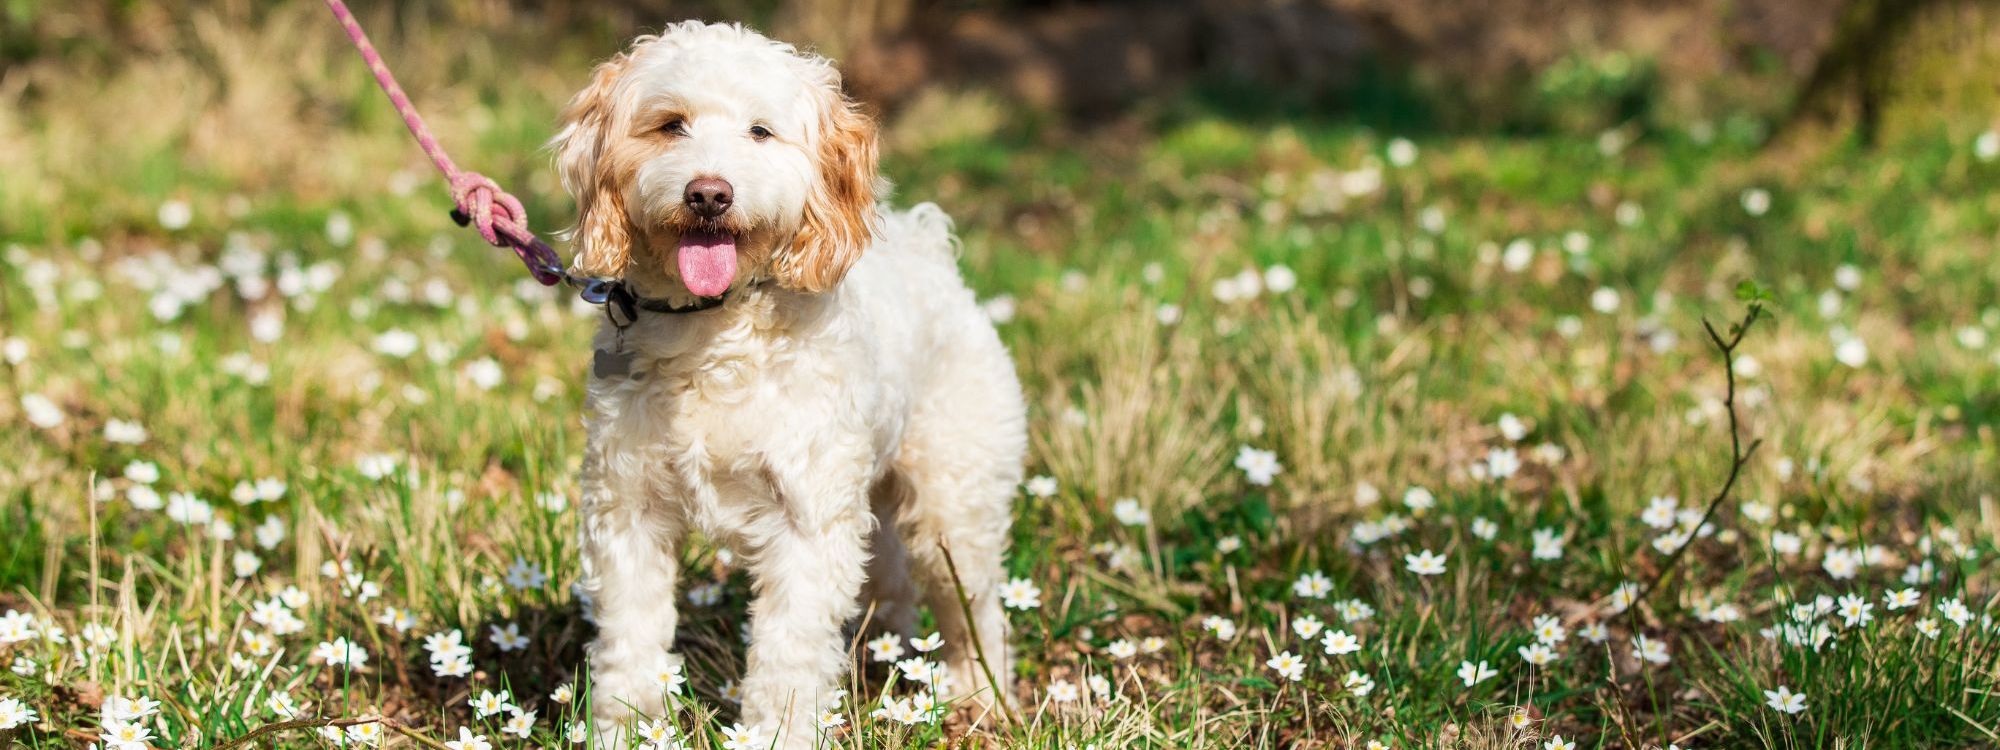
[602, 238]
[840, 210]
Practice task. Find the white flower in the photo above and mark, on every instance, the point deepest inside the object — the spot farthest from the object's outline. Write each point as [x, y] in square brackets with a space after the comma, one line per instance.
[1224, 630]
[269, 533]
[1063, 691]
[830, 719]
[485, 373]
[16, 627]
[1783, 699]
[1000, 309]
[376, 465]
[1856, 611]
[1358, 683]
[1307, 626]
[1314, 585]
[1021, 593]
[1841, 563]
[488, 703]
[41, 411]
[14, 713]
[1121, 649]
[927, 643]
[1340, 642]
[121, 431]
[118, 708]
[669, 675]
[1649, 650]
[1929, 628]
[1474, 674]
[1548, 544]
[1955, 611]
[1041, 486]
[1518, 255]
[1661, 512]
[1425, 563]
[885, 648]
[367, 735]
[1485, 528]
[118, 734]
[522, 576]
[398, 618]
[1130, 513]
[1756, 201]
[1986, 147]
[1402, 152]
[1624, 596]
[396, 343]
[739, 737]
[656, 733]
[1502, 463]
[1229, 544]
[1354, 610]
[1549, 630]
[520, 724]
[1259, 466]
[468, 741]
[245, 563]
[1537, 654]
[1558, 743]
[1287, 665]
[1605, 300]
[1896, 600]
[1419, 500]
[1280, 279]
[1852, 352]
[175, 215]
[342, 652]
[282, 705]
[1847, 276]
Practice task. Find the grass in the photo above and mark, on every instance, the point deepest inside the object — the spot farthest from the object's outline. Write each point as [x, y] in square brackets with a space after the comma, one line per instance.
[1117, 259]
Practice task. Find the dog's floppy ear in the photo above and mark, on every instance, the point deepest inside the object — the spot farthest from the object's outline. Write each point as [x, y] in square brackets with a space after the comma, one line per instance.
[840, 209]
[602, 236]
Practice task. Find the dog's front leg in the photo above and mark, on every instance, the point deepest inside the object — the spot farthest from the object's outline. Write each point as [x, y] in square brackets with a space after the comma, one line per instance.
[807, 568]
[630, 557]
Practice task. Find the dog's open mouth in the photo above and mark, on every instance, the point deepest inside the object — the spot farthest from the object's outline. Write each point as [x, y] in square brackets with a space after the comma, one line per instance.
[707, 261]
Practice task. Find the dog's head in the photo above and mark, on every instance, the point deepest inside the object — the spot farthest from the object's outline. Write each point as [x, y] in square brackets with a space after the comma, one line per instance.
[713, 155]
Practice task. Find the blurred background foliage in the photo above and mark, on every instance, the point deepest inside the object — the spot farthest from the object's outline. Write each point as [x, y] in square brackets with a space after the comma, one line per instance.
[1522, 64]
[109, 106]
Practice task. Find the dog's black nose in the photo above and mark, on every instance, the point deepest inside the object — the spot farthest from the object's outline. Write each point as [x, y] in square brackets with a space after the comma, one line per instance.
[708, 197]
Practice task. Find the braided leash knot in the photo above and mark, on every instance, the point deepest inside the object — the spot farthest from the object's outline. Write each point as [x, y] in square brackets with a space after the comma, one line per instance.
[497, 215]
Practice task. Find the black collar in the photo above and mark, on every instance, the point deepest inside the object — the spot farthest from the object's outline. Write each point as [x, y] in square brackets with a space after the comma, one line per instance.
[619, 301]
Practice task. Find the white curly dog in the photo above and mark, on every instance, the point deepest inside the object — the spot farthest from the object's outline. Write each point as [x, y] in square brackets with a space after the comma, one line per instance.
[803, 377]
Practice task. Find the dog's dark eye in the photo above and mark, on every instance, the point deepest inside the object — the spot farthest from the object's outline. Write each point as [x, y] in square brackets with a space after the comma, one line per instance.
[676, 126]
[760, 132]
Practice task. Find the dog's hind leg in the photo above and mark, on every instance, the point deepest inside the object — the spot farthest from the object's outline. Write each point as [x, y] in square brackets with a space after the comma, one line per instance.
[962, 456]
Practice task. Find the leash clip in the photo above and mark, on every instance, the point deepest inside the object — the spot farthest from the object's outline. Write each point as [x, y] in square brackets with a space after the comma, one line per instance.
[617, 300]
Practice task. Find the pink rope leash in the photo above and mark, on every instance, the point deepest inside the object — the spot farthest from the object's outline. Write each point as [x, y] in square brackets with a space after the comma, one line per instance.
[496, 215]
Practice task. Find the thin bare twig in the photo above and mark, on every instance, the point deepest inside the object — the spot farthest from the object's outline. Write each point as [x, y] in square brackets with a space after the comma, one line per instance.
[972, 630]
[286, 726]
[1739, 455]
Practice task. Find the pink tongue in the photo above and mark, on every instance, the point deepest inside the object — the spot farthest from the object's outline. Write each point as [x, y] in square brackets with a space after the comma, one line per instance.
[708, 262]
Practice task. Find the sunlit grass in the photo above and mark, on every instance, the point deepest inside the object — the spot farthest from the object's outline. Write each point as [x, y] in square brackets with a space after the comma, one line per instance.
[1447, 342]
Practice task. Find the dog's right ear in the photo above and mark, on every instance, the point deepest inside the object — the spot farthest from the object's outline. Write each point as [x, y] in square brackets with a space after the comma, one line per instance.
[602, 237]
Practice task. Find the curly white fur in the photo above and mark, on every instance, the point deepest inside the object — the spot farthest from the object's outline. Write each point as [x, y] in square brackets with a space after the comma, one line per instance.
[848, 411]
